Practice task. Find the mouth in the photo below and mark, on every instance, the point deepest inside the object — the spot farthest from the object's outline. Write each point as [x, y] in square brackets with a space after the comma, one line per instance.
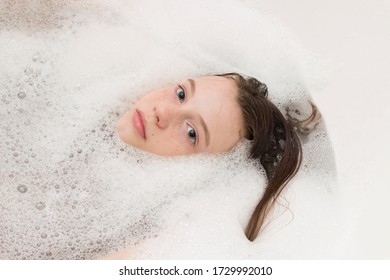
[139, 123]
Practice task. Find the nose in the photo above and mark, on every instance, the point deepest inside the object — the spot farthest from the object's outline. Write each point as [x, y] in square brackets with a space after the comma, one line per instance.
[165, 114]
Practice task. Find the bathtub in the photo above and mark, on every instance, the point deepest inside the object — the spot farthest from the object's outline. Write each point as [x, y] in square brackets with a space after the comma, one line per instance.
[77, 58]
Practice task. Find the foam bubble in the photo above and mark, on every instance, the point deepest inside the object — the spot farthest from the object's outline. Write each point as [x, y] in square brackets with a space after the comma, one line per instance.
[76, 68]
[22, 188]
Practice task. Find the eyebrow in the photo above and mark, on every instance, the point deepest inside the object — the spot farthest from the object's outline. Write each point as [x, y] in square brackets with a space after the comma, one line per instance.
[203, 124]
[193, 86]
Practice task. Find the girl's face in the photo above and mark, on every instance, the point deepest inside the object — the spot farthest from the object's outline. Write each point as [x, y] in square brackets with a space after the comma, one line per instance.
[196, 116]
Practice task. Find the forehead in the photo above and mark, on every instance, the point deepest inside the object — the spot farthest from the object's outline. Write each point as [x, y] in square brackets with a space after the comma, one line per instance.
[216, 101]
[218, 84]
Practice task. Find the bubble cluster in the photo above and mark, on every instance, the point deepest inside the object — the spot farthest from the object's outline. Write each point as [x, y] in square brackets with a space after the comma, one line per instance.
[70, 189]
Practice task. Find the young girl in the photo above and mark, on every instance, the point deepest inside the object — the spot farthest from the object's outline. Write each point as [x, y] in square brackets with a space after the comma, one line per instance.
[212, 114]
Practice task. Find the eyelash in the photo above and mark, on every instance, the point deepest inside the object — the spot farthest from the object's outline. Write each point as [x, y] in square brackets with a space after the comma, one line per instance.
[189, 127]
[182, 89]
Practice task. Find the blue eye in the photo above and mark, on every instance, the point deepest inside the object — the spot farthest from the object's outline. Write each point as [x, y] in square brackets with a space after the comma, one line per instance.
[181, 94]
[191, 134]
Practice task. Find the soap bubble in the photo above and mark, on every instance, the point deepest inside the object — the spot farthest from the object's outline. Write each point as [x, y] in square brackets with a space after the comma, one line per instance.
[22, 188]
[21, 95]
[40, 205]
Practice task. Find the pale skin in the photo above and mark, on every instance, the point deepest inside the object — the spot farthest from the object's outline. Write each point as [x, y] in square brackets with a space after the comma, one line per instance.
[129, 253]
[195, 116]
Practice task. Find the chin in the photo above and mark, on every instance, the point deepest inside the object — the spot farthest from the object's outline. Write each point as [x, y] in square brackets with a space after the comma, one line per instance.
[124, 131]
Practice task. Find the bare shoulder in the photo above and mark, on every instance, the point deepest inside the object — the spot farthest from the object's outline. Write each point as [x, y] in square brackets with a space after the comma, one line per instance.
[131, 253]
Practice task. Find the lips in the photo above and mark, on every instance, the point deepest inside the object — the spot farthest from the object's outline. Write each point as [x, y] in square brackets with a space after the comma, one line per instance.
[138, 124]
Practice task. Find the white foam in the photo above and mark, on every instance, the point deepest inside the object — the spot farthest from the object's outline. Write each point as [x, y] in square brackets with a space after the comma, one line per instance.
[68, 79]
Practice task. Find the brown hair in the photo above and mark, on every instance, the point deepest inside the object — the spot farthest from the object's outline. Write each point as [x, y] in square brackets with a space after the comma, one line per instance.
[275, 142]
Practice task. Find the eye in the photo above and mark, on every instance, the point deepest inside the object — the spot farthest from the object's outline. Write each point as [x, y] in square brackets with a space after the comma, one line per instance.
[181, 94]
[191, 134]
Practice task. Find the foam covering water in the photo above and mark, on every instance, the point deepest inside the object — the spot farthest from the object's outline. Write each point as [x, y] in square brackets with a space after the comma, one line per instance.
[70, 189]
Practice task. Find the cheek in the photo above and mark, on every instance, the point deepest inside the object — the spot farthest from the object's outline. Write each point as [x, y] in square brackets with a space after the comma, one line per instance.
[157, 96]
[168, 137]
[170, 142]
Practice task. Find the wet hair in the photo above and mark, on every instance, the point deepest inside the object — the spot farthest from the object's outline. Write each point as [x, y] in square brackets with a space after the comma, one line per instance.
[274, 142]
